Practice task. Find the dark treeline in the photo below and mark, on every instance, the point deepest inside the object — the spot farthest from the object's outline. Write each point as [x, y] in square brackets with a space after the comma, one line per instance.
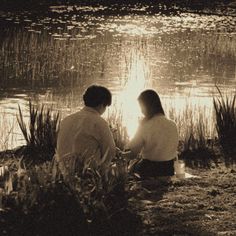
[33, 4]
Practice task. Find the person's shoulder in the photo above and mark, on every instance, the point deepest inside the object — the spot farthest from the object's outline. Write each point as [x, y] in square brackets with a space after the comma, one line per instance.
[172, 124]
[143, 124]
[73, 115]
[143, 121]
[157, 119]
[163, 119]
[101, 121]
[170, 121]
[69, 117]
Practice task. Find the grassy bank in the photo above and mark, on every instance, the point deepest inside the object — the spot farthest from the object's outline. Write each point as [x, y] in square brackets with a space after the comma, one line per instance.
[35, 200]
[39, 205]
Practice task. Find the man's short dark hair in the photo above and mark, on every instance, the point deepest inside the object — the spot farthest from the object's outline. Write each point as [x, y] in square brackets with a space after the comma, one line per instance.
[96, 95]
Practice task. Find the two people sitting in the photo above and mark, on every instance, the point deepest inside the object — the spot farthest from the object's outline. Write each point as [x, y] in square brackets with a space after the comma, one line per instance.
[87, 134]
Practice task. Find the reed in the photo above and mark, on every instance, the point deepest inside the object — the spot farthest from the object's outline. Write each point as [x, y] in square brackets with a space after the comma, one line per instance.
[7, 125]
[115, 121]
[225, 113]
[37, 58]
[68, 58]
[197, 149]
[40, 133]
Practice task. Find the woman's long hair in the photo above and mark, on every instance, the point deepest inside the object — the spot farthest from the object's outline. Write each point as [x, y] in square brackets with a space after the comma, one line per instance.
[151, 100]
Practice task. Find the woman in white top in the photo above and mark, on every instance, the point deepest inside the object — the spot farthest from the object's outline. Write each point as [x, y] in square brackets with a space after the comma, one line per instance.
[156, 139]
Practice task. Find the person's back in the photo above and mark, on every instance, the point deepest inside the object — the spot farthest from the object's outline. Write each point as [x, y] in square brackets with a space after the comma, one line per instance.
[86, 133]
[160, 137]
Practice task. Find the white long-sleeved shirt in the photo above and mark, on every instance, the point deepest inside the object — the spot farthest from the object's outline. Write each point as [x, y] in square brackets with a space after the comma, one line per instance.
[156, 139]
[87, 134]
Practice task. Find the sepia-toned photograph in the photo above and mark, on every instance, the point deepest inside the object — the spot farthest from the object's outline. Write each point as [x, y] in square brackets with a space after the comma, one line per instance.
[117, 117]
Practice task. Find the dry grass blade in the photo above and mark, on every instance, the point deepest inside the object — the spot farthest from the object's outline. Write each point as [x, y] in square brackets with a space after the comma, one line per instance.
[22, 125]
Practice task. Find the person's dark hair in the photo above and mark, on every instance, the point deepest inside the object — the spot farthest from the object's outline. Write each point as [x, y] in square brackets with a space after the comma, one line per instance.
[151, 100]
[97, 95]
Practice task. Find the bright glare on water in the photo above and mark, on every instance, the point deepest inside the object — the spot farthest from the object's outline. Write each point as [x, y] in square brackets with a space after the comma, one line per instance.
[127, 98]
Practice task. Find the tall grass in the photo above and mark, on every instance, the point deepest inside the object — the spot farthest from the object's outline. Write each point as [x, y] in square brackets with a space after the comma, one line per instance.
[187, 115]
[115, 120]
[8, 136]
[96, 196]
[225, 113]
[197, 149]
[36, 57]
[40, 133]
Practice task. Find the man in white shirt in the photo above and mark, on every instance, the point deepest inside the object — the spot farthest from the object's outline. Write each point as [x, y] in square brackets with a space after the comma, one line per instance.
[85, 133]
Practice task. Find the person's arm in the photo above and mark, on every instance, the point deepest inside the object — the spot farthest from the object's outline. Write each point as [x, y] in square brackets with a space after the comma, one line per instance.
[128, 155]
[135, 146]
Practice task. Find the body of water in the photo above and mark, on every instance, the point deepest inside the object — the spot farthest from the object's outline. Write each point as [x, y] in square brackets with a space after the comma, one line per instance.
[52, 58]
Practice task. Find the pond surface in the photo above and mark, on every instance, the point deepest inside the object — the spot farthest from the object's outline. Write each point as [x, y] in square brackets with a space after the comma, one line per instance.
[51, 58]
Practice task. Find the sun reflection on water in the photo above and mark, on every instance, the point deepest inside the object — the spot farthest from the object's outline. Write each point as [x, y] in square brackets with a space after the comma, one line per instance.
[126, 99]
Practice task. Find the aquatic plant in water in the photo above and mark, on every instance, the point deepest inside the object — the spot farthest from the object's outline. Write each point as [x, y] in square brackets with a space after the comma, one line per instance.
[40, 133]
[225, 112]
